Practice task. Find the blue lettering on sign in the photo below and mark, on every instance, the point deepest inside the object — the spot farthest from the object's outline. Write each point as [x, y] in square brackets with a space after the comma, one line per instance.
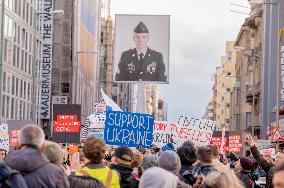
[129, 129]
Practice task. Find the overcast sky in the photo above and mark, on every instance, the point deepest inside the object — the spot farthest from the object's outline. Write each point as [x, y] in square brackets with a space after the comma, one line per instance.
[199, 29]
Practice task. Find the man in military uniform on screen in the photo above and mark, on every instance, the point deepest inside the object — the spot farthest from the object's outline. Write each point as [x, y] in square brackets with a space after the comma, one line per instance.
[141, 63]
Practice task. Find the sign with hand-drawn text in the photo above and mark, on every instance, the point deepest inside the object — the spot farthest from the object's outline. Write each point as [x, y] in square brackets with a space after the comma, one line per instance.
[128, 129]
[165, 132]
[4, 137]
[199, 131]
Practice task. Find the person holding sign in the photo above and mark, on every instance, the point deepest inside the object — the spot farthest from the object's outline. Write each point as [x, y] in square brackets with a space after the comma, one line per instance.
[266, 165]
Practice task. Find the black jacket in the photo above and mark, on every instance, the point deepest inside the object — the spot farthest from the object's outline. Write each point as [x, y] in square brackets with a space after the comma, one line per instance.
[10, 177]
[206, 169]
[151, 68]
[245, 179]
[125, 174]
[37, 170]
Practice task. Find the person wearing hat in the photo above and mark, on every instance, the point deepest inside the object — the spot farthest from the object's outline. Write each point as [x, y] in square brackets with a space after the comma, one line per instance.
[123, 157]
[244, 168]
[168, 147]
[141, 63]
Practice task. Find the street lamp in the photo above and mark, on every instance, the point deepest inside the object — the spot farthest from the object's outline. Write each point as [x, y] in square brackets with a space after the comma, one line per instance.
[59, 12]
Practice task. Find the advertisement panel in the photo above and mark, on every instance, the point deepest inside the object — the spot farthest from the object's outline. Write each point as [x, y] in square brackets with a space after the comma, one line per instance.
[141, 51]
[46, 65]
[66, 123]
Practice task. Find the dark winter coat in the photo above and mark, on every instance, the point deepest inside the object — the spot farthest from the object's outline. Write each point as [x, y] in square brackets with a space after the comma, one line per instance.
[185, 168]
[206, 169]
[245, 179]
[37, 170]
[267, 166]
[10, 177]
[125, 174]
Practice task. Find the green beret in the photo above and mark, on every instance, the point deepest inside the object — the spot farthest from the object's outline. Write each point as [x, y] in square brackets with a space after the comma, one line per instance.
[141, 28]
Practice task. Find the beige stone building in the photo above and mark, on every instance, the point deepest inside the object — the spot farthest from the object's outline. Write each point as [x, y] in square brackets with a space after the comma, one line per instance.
[224, 83]
[246, 95]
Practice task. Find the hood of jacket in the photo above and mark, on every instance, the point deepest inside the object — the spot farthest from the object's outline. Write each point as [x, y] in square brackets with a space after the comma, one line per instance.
[124, 171]
[5, 171]
[26, 160]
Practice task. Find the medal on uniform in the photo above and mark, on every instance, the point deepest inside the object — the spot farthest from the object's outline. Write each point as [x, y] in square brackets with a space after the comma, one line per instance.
[152, 67]
[131, 67]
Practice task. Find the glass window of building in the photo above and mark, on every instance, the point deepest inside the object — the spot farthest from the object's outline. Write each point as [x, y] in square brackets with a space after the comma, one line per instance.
[7, 107]
[4, 82]
[24, 90]
[3, 105]
[13, 85]
[16, 109]
[21, 88]
[17, 87]
[8, 84]
[12, 108]
[18, 57]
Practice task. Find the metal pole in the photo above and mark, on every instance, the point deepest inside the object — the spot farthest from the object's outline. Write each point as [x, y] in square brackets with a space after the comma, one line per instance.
[278, 69]
[253, 93]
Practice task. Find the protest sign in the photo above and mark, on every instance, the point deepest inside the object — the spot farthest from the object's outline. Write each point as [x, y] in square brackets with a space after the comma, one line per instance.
[97, 125]
[232, 141]
[128, 129]
[263, 144]
[4, 137]
[165, 132]
[14, 127]
[66, 123]
[196, 130]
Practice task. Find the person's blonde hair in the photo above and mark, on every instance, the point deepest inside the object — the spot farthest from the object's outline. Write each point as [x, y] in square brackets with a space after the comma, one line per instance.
[220, 180]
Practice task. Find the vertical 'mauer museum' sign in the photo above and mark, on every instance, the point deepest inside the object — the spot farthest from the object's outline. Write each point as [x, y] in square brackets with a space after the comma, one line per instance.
[46, 65]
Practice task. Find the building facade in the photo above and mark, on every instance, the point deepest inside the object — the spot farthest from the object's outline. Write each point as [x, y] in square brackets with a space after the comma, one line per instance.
[76, 51]
[224, 83]
[20, 58]
[246, 96]
[106, 56]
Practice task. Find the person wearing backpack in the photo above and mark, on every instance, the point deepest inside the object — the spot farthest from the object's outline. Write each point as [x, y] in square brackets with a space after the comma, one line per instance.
[10, 177]
[94, 170]
[32, 164]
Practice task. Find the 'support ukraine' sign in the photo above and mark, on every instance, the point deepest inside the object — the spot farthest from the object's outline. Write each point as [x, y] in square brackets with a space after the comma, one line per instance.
[128, 129]
[46, 65]
[197, 130]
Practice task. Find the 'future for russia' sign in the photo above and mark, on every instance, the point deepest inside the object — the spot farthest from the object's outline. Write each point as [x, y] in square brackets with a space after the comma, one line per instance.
[129, 129]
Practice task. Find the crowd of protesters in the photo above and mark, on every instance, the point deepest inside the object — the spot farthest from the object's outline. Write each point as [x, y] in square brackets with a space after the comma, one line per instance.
[38, 163]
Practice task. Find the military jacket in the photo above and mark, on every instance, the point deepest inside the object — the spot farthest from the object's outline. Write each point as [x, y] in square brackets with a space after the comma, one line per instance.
[150, 68]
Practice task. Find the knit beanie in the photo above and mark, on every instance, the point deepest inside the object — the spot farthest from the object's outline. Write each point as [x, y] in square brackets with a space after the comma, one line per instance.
[187, 155]
[149, 161]
[246, 163]
[168, 146]
[169, 160]
[156, 177]
[54, 153]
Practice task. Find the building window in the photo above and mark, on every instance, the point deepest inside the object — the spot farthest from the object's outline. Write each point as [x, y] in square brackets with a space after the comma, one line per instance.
[7, 107]
[3, 105]
[238, 126]
[4, 82]
[8, 84]
[248, 119]
[17, 87]
[13, 85]
[228, 73]
[228, 89]
[12, 108]
[21, 88]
